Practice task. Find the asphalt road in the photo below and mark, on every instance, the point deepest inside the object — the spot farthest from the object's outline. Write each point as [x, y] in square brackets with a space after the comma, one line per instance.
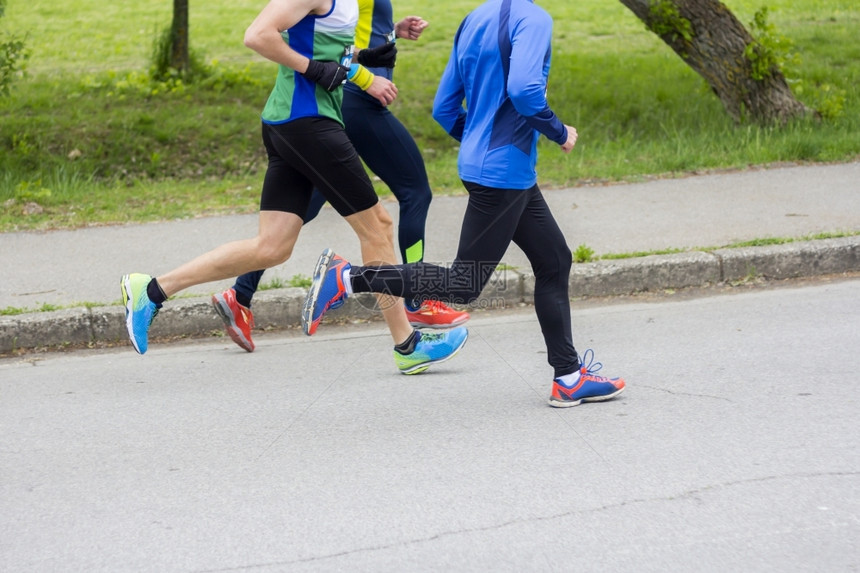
[734, 448]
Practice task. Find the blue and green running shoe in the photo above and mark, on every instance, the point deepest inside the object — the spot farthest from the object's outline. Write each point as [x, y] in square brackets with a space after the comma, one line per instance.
[139, 310]
[327, 290]
[432, 348]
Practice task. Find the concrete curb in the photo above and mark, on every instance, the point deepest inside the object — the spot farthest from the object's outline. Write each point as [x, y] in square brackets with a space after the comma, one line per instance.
[281, 308]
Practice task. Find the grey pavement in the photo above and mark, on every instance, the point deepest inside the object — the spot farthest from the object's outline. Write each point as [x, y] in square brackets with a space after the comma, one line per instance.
[733, 448]
[696, 214]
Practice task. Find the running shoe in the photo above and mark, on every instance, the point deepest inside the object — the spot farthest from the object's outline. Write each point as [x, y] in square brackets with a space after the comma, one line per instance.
[139, 310]
[589, 388]
[238, 319]
[435, 314]
[327, 290]
[432, 348]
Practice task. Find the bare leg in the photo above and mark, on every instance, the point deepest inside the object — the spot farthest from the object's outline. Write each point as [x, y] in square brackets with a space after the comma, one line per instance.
[272, 246]
[375, 232]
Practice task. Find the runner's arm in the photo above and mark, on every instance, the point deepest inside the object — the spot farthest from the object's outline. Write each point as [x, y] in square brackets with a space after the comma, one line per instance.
[448, 108]
[264, 34]
[526, 79]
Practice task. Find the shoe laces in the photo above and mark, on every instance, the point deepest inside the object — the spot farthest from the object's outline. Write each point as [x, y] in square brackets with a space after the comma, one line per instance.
[434, 306]
[592, 367]
[432, 336]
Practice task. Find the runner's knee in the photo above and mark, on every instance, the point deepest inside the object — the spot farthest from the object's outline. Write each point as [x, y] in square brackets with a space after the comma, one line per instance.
[555, 263]
[273, 252]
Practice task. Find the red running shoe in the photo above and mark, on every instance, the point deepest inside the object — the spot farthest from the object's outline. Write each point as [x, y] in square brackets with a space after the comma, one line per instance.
[238, 319]
[435, 314]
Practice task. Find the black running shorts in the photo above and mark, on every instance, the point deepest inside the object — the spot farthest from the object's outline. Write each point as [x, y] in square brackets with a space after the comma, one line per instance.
[310, 153]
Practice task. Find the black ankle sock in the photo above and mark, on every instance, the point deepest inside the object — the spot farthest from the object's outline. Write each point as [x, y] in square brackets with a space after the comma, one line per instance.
[408, 345]
[243, 300]
[154, 292]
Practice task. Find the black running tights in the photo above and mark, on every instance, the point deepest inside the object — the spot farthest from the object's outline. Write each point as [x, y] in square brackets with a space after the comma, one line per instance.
[493, 219]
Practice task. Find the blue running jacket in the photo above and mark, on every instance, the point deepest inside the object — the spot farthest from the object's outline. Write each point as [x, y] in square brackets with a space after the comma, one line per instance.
[499, 65]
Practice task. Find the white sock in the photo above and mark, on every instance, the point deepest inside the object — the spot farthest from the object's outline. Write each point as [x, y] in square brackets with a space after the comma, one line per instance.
[569, 380]
[346, 282]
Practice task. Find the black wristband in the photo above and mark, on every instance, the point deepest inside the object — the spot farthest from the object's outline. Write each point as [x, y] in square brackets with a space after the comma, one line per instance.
[330, 75]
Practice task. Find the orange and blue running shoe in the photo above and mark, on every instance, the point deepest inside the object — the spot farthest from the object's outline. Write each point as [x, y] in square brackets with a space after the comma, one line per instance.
[589, 387]
[238, 319]
[435, 314]
[139, 310]
[431, 348]
[327, 290]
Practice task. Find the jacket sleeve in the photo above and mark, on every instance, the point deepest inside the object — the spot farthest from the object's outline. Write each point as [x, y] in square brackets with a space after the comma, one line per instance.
[530, 53]
[448, 108]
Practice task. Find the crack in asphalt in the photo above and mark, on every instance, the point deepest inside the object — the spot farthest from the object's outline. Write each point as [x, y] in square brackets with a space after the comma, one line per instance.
[550, 517]
[672, 392]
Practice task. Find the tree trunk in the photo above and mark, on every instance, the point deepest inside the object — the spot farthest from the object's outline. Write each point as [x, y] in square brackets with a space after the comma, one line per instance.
[179, 58]
[712, 41]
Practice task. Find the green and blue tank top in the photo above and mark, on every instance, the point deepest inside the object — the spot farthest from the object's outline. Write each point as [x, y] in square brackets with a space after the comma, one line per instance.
[318, 37]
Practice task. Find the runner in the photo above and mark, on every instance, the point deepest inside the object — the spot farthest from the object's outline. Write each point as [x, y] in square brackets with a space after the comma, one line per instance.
[307, 148]
[389, 150]
[499, 65]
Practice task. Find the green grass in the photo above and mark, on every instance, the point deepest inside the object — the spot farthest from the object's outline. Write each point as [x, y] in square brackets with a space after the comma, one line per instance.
[763, 242]
[46, 307]
[296, 281]
[86, 139]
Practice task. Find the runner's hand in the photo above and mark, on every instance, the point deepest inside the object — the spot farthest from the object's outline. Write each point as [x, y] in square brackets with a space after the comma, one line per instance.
[379, 57]
[383, 90]
[410, 28]
[572, 136]
[330, 75]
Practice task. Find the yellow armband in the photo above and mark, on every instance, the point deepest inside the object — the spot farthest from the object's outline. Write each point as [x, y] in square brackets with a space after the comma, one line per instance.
[360, 76]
